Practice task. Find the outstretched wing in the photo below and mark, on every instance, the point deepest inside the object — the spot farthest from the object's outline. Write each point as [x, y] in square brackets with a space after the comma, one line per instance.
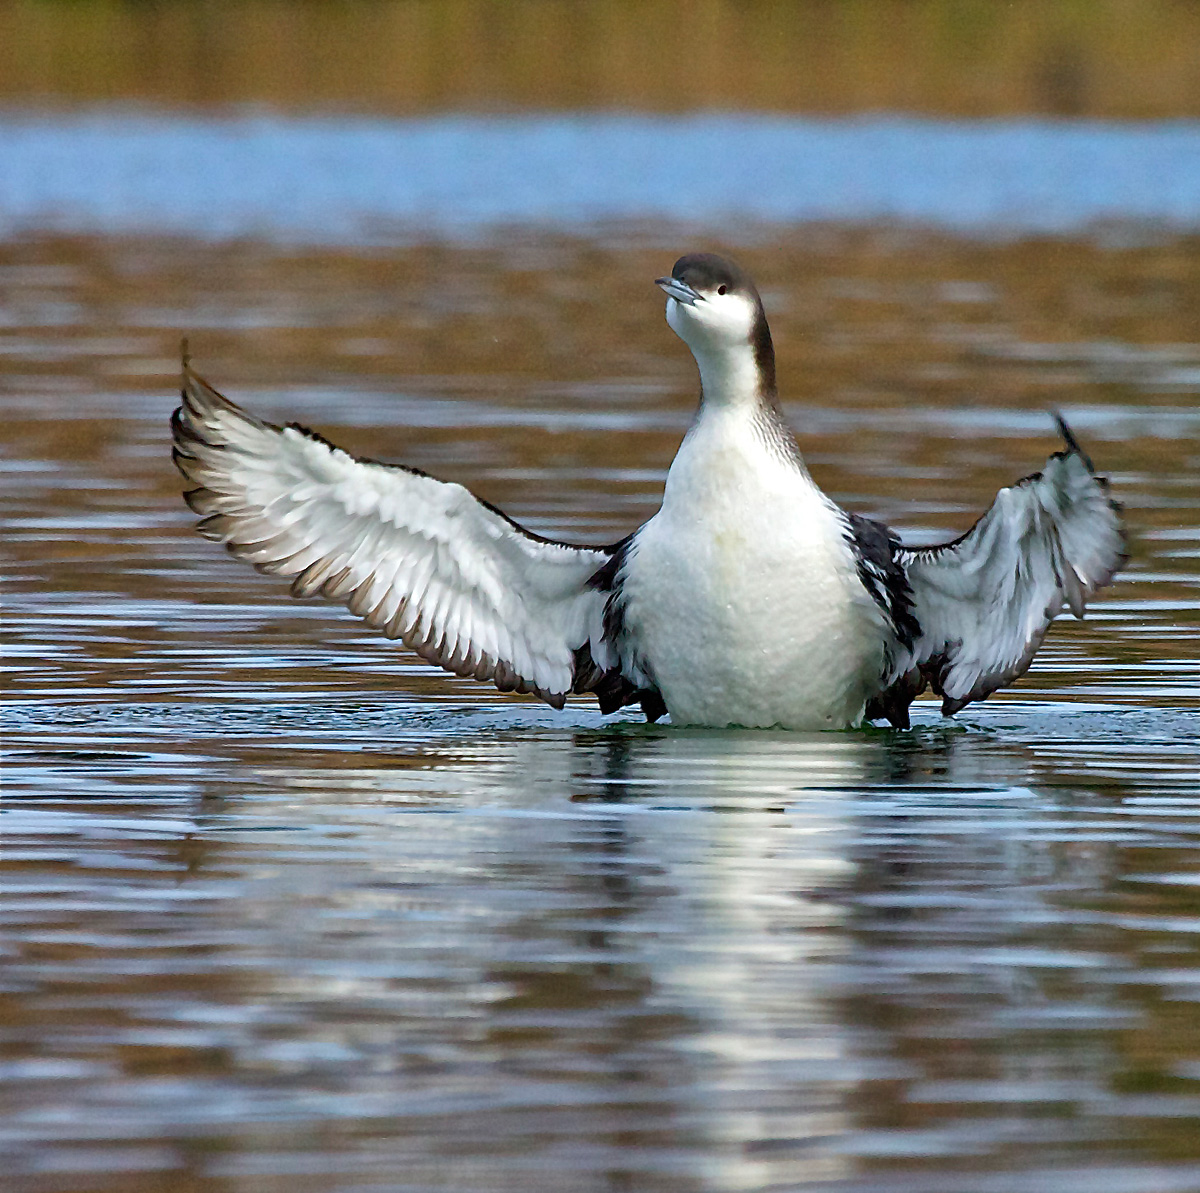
[984, 601]
[422, 560]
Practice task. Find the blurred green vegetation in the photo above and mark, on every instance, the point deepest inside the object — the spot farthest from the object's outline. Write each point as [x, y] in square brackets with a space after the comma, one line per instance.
[1100, 58]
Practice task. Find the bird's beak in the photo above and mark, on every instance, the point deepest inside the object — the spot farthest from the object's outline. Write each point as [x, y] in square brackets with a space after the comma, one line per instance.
[680, 291]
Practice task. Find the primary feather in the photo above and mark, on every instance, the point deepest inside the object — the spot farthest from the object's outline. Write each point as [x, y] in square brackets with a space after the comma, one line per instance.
[985, 600]
[422, 560]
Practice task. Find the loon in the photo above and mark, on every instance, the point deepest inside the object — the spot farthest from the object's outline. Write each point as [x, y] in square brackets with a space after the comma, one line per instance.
[750, 598]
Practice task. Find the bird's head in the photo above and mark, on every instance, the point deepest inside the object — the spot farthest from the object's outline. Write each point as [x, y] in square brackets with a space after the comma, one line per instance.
[714, 307]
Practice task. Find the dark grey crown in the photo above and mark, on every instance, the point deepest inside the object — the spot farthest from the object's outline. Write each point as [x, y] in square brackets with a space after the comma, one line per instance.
[707, 271]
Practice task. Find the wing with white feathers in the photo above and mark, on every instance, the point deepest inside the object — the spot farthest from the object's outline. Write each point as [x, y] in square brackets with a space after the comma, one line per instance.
[984, 601]
[422, 560]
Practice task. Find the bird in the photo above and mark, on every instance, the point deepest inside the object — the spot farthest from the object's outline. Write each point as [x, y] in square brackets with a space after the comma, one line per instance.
[750, 598]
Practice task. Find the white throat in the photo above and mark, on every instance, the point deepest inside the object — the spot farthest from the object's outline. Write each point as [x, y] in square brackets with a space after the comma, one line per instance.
[729, 376]
[729, 371]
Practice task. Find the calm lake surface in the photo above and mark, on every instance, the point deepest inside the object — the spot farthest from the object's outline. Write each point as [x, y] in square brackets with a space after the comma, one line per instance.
[287, 910]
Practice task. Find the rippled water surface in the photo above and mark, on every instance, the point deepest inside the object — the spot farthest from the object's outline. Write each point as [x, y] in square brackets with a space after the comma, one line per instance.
[285, 909]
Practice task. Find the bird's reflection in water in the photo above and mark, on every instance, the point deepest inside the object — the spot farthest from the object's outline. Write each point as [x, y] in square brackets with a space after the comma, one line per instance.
[771, 850]
[649, 930]
[732, 863]
[749, 835]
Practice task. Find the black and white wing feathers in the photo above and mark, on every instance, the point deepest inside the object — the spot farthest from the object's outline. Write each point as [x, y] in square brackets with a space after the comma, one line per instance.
[420, 559]
[984, 601]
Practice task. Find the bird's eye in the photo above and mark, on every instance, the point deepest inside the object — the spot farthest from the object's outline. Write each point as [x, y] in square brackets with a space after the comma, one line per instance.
[722, 289]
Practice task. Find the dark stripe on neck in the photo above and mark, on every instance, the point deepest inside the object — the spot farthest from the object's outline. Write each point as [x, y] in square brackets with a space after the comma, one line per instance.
[764, 355]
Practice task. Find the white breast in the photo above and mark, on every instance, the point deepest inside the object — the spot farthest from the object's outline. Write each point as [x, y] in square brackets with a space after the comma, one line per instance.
[742, 593]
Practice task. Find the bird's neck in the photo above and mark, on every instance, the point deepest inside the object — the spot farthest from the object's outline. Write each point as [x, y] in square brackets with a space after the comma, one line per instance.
[739, 405]
[740, 376]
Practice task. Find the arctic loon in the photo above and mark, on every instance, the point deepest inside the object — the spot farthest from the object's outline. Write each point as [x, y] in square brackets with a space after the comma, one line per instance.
[750, 598]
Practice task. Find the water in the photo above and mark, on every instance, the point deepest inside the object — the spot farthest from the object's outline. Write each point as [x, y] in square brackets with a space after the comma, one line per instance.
[410, 944]
[359, 180]
[286, 909]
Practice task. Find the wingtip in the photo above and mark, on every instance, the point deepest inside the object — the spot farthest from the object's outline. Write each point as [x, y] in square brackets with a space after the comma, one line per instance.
[188, 377]
[201, 399]
[1068, 437]
[185, 366]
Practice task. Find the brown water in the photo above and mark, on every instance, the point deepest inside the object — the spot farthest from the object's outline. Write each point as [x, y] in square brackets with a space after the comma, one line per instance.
[285, 909]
